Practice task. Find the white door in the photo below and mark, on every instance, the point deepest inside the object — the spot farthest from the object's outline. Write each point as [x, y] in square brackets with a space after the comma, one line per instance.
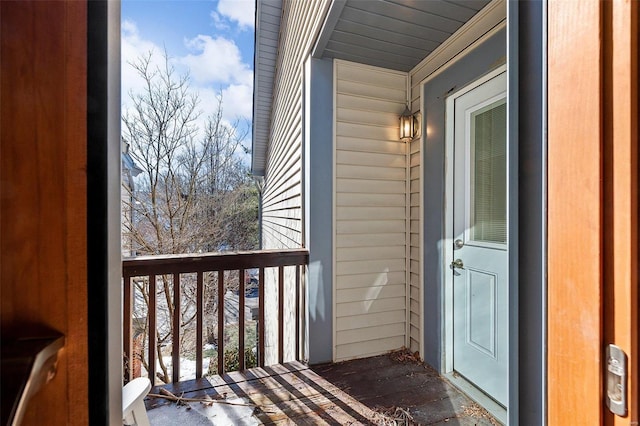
[480, 257]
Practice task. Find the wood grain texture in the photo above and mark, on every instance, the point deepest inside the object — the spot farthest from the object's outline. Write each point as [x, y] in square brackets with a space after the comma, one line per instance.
[43, 186]
[574, 213]
[620, 118]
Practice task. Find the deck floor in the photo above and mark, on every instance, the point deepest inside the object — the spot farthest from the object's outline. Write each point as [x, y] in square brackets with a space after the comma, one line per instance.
[365, 391]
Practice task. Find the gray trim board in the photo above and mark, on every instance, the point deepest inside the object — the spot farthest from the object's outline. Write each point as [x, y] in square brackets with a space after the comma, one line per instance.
[486, 57]
[527, 59]
[318, 206]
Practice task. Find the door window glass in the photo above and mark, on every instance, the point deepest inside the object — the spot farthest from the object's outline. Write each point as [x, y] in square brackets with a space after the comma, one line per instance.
[489, 173]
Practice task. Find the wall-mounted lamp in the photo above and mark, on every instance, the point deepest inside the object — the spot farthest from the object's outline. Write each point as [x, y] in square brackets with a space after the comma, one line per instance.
[408, 125]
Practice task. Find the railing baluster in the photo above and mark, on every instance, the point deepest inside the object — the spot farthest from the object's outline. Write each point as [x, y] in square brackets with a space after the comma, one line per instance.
[175, 355]
[261, 328]
[280, 314]
[220, 322]
[152, 315]
[199, 325]
[126, 323]
[297, 320]
[241, 319]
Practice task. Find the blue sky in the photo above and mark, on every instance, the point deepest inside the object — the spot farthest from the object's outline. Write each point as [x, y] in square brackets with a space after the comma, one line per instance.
[212, 40]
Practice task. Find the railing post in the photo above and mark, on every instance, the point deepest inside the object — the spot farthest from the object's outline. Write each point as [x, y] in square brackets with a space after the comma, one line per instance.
[261, 328]
[126, 324]
[151, 314]
[220, 322]
[199, 324]
[280, 314]
[241, 318]
[297, 319]
[175, 338]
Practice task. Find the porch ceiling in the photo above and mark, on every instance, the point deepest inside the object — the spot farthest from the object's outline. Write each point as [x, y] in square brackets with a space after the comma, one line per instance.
[393, 34]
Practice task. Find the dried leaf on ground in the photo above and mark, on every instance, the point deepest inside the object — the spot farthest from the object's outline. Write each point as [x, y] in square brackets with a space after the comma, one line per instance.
[405, 355]
[394, 416]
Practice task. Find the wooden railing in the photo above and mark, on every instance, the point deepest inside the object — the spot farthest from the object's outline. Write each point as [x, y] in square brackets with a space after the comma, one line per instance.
[152, 267]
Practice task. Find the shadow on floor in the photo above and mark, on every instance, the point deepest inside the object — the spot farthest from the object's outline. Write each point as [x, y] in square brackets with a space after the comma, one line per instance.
[397, 380]
[379, 390]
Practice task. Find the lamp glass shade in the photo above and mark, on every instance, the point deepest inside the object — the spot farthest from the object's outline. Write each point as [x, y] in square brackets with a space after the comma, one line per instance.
[406, 125]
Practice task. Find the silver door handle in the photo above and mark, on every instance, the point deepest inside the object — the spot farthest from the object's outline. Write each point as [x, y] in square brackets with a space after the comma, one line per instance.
[458, 244]
[457, 264]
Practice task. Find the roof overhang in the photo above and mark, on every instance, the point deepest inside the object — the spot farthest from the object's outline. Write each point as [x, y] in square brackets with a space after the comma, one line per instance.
[393, 34]
[267, 32]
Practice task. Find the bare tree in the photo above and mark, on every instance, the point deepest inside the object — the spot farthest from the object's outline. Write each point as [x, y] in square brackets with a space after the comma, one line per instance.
[194, 193]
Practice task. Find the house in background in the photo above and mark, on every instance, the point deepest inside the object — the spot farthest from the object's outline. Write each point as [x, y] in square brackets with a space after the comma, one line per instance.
[129, 170]
[486, 239]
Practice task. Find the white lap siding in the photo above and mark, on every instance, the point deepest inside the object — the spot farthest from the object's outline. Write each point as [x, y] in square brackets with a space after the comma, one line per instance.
[370, 218]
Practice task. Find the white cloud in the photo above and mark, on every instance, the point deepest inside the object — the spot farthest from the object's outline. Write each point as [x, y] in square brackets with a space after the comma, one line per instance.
[240, 11]
[219, 22]
[215, 66]
[216, 60]
[133, 46]
[238, 99]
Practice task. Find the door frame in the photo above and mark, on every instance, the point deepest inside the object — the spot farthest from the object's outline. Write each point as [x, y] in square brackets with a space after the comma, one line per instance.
[447, 246]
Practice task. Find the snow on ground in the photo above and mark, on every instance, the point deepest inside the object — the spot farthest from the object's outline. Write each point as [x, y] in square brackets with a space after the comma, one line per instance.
[187, 367]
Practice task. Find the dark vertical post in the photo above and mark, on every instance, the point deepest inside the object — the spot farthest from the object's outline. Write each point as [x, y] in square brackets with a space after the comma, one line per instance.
[261, 332]
[280, 314]
[220, 322]
[152, 329]
[175, 369]
[126, 323]
[199, 325]
[241, 319]
[297, 320]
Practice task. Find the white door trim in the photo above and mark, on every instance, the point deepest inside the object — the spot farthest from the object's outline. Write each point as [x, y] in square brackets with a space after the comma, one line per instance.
[447, 277]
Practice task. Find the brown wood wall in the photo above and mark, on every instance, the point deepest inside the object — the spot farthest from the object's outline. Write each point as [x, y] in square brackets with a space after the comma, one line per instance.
[43, 190]
[593, 205]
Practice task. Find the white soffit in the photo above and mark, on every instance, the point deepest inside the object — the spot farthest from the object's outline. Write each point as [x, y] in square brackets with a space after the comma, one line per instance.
[267, 31]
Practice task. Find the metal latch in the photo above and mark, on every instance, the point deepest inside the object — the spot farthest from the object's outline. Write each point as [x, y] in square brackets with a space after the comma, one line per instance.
[616, 380]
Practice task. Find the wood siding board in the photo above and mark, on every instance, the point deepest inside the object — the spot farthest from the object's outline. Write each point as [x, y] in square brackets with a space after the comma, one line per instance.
[370, 333]
[380, 160]
[375, 77]
[348, 309]
[370, 279]
[366, 253]
[372, 293]
[365, 186]
[371, 266]
[394, 95]
[362, 103]
[357, 144]
[369, 348]
[369, 172]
